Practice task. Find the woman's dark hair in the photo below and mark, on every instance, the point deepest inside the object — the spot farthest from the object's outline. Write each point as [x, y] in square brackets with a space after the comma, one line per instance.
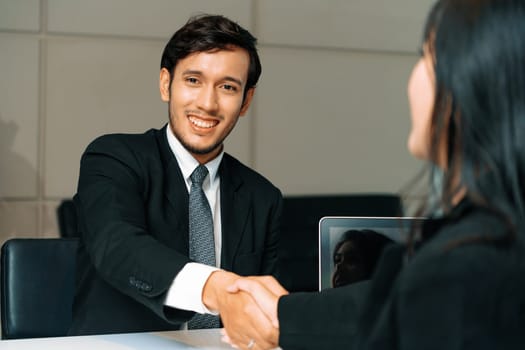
[478, 48]
[205, 33]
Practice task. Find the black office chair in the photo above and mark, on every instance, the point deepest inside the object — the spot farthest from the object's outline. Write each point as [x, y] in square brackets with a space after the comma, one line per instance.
[67, 218]
[37, 286]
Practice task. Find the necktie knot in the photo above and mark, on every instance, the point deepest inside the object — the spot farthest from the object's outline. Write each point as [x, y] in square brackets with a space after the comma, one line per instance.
[199, 174]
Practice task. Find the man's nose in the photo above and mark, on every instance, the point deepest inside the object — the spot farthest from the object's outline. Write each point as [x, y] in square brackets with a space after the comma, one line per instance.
[207, 99]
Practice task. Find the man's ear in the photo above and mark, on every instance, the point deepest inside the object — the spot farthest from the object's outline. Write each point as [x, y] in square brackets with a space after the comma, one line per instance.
[247, 101]
[164, 84]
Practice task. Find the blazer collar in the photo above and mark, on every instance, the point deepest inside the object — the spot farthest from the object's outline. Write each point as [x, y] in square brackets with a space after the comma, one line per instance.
[235, 209]
[175, 188]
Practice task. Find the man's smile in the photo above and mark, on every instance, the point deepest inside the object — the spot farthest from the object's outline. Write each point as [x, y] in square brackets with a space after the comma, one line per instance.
[202, 123]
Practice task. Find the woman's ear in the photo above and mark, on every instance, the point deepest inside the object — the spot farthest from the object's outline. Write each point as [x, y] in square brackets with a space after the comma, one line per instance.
[164, 84]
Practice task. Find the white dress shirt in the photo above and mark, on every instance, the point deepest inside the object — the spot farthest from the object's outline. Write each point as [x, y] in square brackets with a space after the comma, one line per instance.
[186, 290]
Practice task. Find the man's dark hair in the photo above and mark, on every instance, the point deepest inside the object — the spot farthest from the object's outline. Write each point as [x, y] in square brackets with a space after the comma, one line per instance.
[205, 33]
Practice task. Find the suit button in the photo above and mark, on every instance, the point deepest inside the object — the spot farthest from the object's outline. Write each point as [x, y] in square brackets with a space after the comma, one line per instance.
[132, 281]
[140, 285]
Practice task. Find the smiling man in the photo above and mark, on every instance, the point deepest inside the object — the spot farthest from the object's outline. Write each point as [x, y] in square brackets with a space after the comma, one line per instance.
[138, 266]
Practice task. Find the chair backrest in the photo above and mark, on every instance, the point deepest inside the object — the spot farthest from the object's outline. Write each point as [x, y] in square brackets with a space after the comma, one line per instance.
[37, 286]
[67, 218]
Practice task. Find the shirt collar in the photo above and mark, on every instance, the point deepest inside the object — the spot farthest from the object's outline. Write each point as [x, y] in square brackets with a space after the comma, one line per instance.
[186, 161]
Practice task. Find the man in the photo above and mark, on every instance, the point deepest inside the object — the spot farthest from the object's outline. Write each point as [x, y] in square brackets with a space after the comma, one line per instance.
[134, 272]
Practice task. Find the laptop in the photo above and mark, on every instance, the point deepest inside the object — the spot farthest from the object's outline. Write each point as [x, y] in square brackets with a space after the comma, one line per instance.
[354, 244]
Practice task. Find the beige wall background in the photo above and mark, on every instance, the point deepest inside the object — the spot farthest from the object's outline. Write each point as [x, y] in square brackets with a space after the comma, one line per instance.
[330, 113]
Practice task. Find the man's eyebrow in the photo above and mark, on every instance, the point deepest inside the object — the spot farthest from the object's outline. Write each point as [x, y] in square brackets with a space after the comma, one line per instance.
[235, 80]
[226, 78]
[192, 72]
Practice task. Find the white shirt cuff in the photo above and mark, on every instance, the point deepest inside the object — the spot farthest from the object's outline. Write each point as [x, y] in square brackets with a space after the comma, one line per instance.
[186, 290]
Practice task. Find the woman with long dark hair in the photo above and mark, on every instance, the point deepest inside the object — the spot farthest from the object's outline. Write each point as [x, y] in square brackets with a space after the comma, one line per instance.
[463, 285]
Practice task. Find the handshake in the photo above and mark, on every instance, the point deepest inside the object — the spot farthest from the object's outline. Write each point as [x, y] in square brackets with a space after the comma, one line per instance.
[248, 308]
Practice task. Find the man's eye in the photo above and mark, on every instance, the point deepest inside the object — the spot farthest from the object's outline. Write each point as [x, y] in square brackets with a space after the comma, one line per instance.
[229, 87]
[192, 80]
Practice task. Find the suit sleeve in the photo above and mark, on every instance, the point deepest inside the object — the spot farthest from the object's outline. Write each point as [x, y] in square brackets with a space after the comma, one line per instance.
[429, 305]
[114, 228]
[408, 311]
[422, 309]
[324, 320]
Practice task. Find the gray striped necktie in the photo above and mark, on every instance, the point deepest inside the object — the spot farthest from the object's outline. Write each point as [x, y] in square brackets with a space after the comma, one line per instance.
[202, 242]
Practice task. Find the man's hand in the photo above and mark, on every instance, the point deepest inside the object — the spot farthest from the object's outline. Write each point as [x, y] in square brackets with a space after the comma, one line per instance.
[246, 324]
[266, 292]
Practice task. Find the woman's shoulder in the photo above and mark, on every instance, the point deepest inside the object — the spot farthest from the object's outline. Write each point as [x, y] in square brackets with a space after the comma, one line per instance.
[466, 248]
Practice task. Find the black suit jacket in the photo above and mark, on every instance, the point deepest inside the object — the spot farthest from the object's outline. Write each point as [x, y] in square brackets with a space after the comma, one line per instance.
[132, 205]
[471, 296]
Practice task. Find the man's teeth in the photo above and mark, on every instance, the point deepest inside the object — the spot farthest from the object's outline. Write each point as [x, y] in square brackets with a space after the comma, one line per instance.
[203, 123]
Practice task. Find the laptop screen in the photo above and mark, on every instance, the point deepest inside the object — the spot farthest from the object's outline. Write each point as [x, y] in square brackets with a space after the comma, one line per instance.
[349, 247]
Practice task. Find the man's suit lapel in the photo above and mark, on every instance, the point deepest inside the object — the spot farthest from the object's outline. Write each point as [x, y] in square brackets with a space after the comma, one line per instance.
[235, 208]
[176, 192]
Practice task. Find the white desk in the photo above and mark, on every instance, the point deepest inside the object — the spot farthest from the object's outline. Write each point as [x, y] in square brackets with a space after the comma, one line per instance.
[209, 339]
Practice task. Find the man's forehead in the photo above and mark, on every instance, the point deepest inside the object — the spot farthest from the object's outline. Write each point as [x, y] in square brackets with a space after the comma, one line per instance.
[229, 63]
